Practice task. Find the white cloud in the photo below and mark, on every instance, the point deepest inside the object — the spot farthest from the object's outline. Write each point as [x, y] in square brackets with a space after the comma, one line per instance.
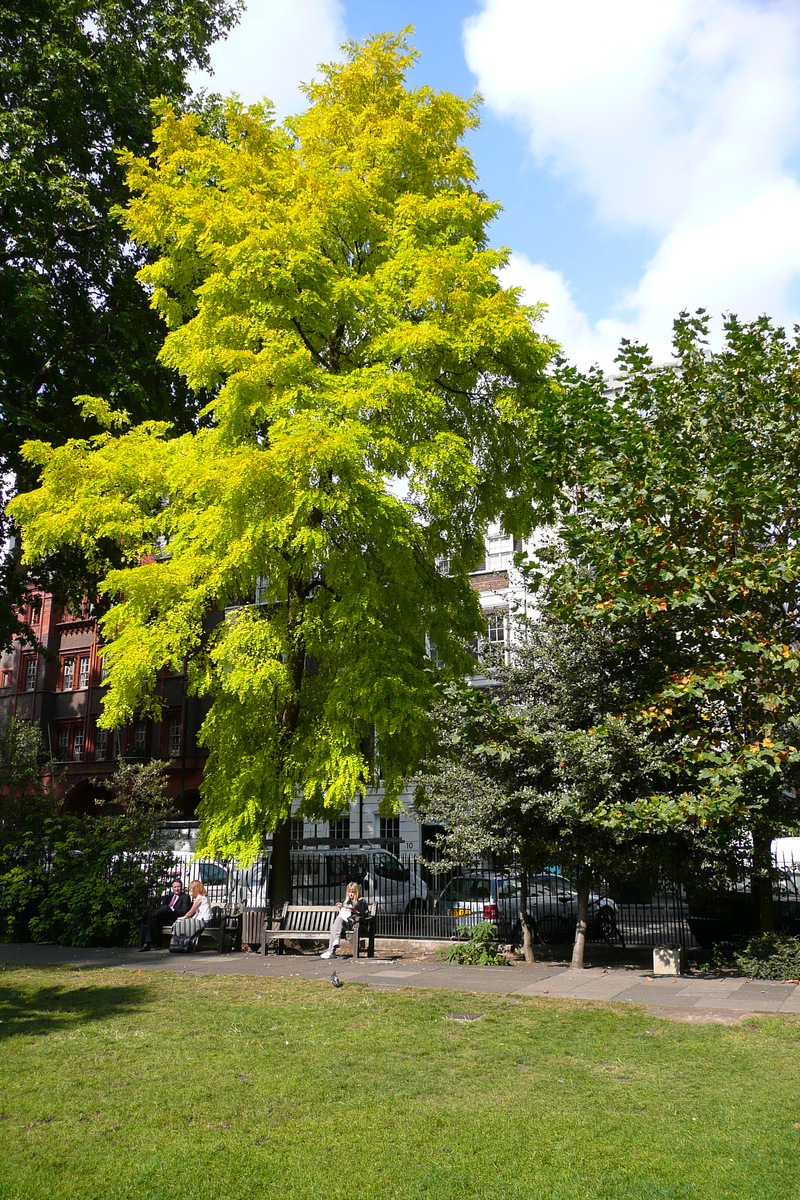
[681, 117]
[584, 343]
[276, 46]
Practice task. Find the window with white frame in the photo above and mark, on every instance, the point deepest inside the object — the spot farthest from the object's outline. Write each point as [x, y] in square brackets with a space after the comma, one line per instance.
[116, 745]
[77, 745]
[83, 673]
[340, 831]
[69, 674]
[101, 744]
[296, 831]
[432, 651]
[491, 647]
[30, 675]
[390, 834]
[174, 736]
[496, 628]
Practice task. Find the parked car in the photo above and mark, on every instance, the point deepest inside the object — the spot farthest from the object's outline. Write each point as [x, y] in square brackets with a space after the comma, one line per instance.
[321, 876]
[553, 905]
[469, 898]
[216, 877]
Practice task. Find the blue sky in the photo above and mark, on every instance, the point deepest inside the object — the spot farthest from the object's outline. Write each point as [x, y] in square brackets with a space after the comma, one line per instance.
[646, 155]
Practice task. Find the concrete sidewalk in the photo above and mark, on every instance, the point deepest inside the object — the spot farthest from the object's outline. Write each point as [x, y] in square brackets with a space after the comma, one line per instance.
[680, 998]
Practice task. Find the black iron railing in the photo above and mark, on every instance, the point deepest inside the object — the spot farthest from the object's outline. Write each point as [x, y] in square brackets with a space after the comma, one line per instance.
[416, 900]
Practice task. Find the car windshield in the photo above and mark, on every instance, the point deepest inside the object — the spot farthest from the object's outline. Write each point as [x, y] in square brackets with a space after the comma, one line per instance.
[212, 874]
[466, 889]
[389, 867]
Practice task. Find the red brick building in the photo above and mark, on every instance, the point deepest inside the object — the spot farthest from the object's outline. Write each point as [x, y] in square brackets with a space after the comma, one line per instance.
[62, 691]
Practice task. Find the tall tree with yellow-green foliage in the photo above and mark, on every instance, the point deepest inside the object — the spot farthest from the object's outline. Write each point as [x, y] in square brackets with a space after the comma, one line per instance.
[378, 396]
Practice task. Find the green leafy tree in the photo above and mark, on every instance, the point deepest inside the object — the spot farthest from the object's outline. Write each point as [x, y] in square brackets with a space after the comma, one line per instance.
[533, 770]
[686, 522]
[78, 78]
[330, 282]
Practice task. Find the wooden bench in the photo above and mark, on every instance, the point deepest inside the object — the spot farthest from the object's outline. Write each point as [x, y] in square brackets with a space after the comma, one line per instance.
[313, 923]
[224, 928]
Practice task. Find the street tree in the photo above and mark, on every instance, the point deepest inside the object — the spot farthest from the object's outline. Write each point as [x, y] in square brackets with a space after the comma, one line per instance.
[532, 769]
[683, 518]
[78, 80]
[378, 397]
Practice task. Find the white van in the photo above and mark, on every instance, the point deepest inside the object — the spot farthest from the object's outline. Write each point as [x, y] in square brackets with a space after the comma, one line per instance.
[321, 876]
[214, 875]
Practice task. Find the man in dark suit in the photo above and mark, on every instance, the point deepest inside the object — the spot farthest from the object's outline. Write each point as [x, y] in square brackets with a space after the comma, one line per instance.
[175, 904]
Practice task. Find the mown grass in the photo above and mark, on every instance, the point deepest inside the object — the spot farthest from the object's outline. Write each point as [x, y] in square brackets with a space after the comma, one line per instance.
[118, 1084]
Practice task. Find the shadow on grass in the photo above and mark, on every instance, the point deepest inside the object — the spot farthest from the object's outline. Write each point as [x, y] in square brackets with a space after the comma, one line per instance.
[37, 1012]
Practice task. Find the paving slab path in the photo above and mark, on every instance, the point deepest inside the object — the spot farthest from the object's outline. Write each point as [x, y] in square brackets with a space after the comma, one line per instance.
[683, 998]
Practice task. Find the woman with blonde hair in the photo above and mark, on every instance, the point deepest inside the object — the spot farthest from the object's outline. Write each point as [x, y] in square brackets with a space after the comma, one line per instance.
[198, 915]
[353, 906]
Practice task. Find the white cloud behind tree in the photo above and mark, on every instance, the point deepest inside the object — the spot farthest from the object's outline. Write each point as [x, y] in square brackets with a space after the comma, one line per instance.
[276, 46]
[677, 117]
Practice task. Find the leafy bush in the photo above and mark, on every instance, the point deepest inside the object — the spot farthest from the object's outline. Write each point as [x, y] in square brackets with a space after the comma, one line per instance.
[770, 956]
[67, 877]
[479, 948]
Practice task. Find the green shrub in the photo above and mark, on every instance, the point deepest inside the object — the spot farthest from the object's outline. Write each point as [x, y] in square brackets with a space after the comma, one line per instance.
[770, 956]
[70, 877]
[478, 950]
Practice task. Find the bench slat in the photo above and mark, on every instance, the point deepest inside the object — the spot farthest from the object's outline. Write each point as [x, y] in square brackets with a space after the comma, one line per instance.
[313, 923]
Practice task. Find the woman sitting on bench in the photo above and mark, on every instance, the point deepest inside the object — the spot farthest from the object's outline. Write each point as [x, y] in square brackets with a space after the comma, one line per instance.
[348, 912]
[198, 915]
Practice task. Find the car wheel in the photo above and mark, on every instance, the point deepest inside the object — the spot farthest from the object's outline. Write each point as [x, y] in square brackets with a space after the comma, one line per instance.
[415, 907]
[606, 923]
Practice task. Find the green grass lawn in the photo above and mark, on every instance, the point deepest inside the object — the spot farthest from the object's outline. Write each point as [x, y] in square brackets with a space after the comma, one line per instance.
[149, 1084]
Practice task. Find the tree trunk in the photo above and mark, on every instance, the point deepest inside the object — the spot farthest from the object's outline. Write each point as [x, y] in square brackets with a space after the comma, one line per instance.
[582, 922]
[525, 918]
[280, 891]
[762, 878]
[281, 887]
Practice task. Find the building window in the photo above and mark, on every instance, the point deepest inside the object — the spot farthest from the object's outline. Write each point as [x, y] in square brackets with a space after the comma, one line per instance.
[116, 750]
[390, 834]
[101, 745]
[69, 674]
[174, 736]
[30, 675]
[491, 648]
[496, 628]
[83, 673]
[62, 742]
[139, 738]
[77, 745]
[340, 831]
[5, 678]
[296, 831]
[103, 670]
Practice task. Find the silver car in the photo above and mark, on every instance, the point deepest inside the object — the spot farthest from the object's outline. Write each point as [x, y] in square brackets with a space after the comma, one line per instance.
[553, 905]
[471, 897]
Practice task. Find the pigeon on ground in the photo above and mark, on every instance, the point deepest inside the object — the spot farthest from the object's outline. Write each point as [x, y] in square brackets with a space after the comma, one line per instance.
[335, 980]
